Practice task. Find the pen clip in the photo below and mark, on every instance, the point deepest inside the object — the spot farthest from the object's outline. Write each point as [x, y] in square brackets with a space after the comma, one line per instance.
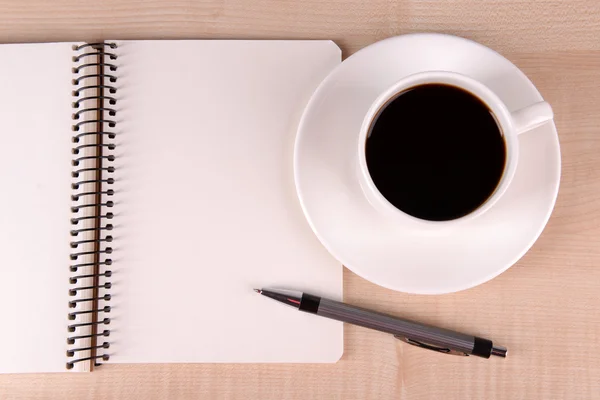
[444, 350]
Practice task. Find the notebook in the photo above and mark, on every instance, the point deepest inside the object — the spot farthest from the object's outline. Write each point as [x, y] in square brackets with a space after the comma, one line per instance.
[147, 189]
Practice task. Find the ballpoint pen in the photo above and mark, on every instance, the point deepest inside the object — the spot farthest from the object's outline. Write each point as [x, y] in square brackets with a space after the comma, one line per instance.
[417, 334]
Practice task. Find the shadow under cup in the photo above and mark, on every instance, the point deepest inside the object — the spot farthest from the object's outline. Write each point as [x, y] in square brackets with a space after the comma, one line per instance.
[435, 152]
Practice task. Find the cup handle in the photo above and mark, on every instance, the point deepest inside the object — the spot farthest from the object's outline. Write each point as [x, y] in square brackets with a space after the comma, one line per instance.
[532, 116]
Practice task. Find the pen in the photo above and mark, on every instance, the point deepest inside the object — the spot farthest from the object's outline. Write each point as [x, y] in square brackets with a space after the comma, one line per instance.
[415, 333]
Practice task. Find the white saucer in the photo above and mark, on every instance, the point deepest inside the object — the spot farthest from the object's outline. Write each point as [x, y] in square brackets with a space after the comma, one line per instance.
[386, 252]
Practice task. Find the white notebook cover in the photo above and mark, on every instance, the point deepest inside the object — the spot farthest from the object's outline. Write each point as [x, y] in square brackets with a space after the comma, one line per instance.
[35, 178]
[206, 207]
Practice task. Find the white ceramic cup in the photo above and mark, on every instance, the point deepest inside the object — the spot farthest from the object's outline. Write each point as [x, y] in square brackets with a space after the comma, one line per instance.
[511, 124]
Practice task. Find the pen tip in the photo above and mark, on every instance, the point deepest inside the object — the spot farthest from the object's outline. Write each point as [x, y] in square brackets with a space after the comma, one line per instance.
[258, 291]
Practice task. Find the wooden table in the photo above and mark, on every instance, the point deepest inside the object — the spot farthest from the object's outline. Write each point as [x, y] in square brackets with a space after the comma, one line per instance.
[545, 309]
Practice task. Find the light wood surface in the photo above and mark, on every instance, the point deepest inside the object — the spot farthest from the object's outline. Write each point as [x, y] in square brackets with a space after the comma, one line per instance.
[545, 309]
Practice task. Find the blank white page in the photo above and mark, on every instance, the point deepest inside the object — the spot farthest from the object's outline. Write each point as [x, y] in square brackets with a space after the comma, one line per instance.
[206, 208]
[35, 138]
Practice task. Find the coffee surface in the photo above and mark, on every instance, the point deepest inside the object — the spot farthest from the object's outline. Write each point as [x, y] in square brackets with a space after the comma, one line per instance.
[435, 152]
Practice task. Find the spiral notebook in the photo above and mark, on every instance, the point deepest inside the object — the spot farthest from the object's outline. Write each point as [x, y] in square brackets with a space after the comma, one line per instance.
[147, 188]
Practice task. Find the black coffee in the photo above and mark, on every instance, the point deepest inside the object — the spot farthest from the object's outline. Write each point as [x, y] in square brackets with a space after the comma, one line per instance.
[435, 152]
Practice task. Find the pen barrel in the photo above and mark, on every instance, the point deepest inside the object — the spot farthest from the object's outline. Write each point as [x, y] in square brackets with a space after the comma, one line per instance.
[430, 335]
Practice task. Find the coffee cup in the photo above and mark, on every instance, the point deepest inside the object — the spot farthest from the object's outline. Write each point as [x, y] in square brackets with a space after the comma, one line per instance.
[448, 119]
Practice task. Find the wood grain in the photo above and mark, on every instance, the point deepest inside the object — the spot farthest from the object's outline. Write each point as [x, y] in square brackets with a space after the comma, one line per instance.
[546, 309]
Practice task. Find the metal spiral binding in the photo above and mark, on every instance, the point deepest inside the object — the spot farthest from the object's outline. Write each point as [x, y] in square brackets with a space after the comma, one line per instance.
[93, 115]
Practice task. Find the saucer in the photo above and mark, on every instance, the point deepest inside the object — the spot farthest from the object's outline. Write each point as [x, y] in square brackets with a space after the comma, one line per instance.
[406, 257]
